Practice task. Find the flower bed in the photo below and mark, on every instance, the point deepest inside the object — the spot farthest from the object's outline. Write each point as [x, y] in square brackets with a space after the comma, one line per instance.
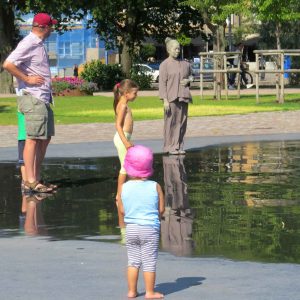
[72, 86]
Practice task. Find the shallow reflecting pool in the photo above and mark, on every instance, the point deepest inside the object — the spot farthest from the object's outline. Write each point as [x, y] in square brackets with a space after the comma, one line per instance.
[240, 201]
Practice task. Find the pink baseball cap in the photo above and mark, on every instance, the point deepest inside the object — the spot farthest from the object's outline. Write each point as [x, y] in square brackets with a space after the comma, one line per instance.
[138, 162]
[43, 19]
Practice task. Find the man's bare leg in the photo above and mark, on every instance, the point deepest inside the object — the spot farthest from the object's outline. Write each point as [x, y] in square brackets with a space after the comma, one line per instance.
[23, 173]
[40, 155]
[29, 159]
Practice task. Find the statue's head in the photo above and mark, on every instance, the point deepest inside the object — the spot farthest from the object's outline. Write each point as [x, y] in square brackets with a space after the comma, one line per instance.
[173, 47]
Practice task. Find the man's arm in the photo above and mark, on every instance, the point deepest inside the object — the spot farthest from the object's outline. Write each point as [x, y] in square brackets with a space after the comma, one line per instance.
[15, 71]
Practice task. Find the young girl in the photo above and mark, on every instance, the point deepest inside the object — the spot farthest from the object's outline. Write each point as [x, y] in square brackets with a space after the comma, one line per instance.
[124, 92]
[142, 203]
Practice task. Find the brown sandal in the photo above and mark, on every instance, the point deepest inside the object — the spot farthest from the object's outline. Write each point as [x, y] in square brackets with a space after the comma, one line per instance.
[36, 187]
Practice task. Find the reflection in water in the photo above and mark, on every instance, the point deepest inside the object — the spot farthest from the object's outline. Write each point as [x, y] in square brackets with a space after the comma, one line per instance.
[32, 213]
[244, 199]
[230, 187]
[176, 225]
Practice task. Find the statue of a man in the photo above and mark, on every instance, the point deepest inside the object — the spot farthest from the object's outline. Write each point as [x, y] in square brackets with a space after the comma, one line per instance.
[175, 76]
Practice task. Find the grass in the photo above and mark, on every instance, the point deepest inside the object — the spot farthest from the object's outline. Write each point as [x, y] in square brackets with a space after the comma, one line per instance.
[89, 109]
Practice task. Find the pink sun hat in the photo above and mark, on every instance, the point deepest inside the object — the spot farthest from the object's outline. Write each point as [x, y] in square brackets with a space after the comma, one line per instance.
[138, 162]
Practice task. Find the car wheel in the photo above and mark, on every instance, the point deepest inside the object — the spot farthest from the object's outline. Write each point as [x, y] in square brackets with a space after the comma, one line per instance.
[157, 79]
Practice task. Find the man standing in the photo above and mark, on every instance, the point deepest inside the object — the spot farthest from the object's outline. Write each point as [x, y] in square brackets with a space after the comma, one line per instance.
[30, 65]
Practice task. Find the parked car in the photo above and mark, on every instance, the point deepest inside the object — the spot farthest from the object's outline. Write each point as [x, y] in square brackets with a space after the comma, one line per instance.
[148, 69]
[208, 65]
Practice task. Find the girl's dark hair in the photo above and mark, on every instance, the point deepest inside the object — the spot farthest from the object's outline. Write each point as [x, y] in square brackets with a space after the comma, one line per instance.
[121, 88]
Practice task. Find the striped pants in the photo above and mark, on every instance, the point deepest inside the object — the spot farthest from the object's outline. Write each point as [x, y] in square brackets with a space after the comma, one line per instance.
[142, 246]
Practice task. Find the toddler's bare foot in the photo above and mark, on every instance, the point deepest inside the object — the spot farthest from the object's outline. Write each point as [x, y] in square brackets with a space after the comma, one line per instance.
[154, 295]
[132, 294]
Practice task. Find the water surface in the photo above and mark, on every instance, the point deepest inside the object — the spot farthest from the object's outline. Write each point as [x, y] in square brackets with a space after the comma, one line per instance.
[240, 201]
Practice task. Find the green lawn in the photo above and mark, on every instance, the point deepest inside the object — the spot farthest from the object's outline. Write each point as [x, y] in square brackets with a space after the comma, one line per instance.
[89, 109]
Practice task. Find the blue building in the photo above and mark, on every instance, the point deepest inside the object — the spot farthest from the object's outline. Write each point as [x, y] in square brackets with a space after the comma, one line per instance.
[75, 46]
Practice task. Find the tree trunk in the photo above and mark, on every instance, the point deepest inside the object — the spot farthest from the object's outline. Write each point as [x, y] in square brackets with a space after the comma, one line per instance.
[278, 34]
[219, 40]
[7, 35]
[126, 60]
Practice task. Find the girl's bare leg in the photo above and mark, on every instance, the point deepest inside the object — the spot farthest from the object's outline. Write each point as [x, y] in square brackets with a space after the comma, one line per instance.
[121, 180]
[149, 278]
[132, 278]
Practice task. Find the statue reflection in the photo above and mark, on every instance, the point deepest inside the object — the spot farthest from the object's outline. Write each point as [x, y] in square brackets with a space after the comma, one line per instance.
[176, 224]
[32, 219]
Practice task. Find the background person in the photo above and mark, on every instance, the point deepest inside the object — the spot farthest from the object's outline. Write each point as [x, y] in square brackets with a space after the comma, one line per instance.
[237, 58]
[75, 71]
[30, 65]
[175, 76]
[262, 66]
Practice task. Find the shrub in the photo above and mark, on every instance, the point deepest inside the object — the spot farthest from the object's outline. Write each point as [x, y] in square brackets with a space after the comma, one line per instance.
[88, 87]
[143, 80]
[60, 86]
[105, 76]
[70, 83]
[146, 51]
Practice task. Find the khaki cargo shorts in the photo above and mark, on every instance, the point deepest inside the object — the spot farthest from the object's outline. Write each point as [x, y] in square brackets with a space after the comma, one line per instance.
[39, 117]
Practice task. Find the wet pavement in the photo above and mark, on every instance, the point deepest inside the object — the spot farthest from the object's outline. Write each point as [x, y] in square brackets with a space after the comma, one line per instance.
[39, 268]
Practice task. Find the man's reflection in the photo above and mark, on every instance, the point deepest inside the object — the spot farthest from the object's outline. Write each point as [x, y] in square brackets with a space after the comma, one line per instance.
[32, 216]
[176, 225]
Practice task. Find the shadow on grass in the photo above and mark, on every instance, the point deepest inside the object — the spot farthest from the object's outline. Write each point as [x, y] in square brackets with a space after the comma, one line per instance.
[5, 108]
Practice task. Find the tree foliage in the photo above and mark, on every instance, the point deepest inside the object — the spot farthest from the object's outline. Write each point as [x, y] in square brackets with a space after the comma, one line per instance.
[105, 76]
[11, 11]
[127, 23]
[276, 10]
[134, 20]
[146, 51]
[121, 23]
[215, 13]
[277, 13]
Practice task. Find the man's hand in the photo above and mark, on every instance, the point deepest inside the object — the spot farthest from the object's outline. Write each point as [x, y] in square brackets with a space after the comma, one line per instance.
[166, 105]
[35, 80]
[15, 71]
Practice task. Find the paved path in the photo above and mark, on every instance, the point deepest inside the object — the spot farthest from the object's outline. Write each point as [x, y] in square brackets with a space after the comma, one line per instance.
[241, 125]
[250, 124]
